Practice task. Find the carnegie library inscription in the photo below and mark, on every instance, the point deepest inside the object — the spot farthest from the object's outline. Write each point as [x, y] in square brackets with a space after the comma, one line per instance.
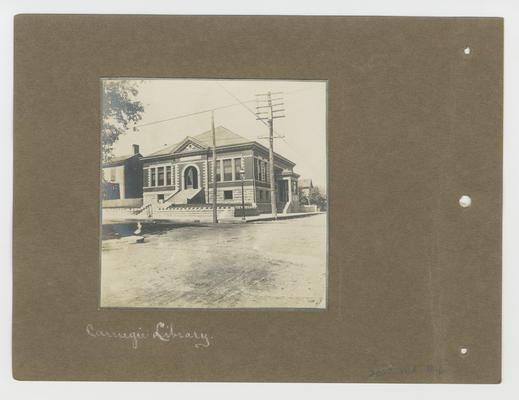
[162, 332]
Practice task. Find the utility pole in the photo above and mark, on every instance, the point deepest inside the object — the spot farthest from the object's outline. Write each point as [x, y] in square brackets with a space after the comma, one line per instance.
[242, 177]
[273, 202]
[266, 111]
[215, 212]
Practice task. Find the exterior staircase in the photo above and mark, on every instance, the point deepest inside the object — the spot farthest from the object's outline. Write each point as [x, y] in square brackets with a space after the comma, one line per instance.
[183, 197]
[145, 210]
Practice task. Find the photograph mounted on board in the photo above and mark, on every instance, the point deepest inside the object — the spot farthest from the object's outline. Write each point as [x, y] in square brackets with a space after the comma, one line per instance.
[213, 193]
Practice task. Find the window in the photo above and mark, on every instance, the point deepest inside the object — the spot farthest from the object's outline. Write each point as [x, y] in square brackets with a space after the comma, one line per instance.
[237, 168]
[218, 174]
[227, 170]
[113, 172]
[161, 176]
[168, 175]
[261, 170]
[227, 194]
[267, 196]
[261, 195]
[146, 177]
[153, 177]
[160, 198]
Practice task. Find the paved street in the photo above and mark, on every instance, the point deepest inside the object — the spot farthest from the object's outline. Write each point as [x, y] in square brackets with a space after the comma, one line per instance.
[262, 264]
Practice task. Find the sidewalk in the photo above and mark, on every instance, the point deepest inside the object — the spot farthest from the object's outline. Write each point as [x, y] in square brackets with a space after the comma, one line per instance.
[270, 217]
[192, 221]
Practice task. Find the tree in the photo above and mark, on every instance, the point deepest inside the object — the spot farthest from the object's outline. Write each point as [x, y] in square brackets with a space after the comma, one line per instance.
[120, 110]
[315, 196]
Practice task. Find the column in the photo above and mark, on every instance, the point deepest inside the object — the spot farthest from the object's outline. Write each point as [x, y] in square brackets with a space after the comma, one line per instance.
[289, 189]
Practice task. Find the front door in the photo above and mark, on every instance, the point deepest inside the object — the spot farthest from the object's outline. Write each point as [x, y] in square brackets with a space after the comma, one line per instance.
[191, 178]
[283, 191]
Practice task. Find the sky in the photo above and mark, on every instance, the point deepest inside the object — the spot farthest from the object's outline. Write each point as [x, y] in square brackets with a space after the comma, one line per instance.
[303, 128]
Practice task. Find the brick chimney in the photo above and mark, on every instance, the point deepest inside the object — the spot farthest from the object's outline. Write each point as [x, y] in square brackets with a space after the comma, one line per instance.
[135, 148]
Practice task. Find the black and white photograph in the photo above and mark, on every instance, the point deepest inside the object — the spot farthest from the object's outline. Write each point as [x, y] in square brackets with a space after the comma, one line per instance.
[234, 200]
[213, 193]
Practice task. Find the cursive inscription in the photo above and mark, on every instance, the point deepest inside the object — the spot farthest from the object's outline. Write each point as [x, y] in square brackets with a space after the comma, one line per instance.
[161, 331]
[426, 369]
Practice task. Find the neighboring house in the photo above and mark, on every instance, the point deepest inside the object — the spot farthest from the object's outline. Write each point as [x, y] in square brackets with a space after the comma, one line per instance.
[305, 186]
[122, 177]
[182, 173]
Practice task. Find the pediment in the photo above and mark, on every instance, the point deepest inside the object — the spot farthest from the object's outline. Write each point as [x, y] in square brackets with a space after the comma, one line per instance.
[189, 145]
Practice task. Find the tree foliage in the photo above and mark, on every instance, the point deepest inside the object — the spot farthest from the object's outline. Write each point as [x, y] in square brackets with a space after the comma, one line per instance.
[120, 112]
[315, 196]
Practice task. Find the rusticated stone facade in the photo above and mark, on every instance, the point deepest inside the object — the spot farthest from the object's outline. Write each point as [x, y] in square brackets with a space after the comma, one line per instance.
[183, 173]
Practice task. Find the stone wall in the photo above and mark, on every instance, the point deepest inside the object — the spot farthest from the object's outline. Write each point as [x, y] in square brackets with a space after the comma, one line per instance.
[117, 203]
[120, 213]
[182, 213]
[264, 208]
[193, 214]
[236, 194]
[249, 211]
[308, 208]
[152, 197]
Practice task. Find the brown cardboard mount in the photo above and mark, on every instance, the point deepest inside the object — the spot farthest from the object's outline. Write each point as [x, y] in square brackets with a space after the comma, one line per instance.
[414, 122]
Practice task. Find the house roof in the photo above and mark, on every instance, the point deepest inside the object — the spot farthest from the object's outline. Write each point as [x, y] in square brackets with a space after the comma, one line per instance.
[224, 137]
[305, 183]
[118, 160]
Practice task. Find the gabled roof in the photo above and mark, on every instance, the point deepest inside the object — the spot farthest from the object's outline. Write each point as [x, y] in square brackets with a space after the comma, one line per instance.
[189, 144]
[119, 160]
[305, 183]
[224, 137]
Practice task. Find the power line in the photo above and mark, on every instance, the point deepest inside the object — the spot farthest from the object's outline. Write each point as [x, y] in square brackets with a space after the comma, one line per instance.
[240, 102]
[262, 120]
[191, 114]
[277, 134]
[291, 147]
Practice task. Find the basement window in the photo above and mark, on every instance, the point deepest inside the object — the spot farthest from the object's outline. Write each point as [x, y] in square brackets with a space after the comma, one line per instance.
[227, 194]
[160, 198]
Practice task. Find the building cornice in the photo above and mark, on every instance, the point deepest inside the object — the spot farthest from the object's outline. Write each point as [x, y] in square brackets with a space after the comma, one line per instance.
[219, 149]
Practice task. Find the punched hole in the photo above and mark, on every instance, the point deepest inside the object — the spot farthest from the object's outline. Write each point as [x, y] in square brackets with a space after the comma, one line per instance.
[467, 50]
[464, 351]
[465, 201]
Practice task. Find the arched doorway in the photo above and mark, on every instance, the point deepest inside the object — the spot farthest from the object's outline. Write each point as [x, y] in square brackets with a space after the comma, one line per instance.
[190, 178]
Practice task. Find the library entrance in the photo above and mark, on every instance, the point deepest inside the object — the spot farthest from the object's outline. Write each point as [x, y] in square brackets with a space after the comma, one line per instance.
[190, 178]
